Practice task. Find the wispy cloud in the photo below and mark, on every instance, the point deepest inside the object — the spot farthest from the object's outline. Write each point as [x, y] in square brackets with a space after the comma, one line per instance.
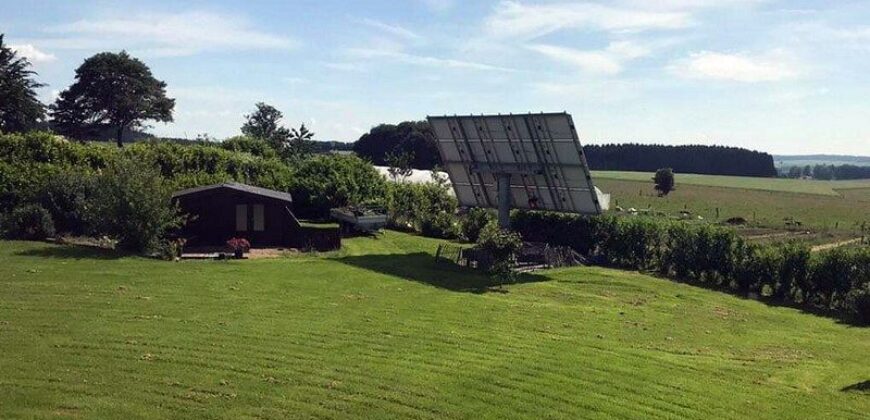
[609, 60]
[167, 34]
[32, 53]
[591, 61]
[770, 67]
[391, 29]
[422, 60]
[514, 19]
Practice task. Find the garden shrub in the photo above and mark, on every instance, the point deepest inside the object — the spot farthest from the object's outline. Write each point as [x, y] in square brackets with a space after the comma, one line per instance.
[29, 222]
[439, 225]
[502, 245]
[794, 274]
[133, 204]
[857, 304]
[474, 221]
[427, 208]
[326, 181]
[66, 197]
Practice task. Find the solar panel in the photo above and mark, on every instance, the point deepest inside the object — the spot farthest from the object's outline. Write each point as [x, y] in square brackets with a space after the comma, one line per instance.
[534, 161]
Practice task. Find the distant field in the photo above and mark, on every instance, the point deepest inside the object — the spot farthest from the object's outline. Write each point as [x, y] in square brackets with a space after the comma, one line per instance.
[762, 207]
[767, 184]
[379, 331]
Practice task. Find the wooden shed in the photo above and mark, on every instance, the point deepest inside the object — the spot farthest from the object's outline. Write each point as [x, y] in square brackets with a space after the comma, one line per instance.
[232, 210]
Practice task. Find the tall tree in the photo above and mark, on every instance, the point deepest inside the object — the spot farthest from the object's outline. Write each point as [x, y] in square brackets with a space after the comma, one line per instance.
[20, 110]
[111, 91]
[265, 123]
[413, 137]
[664, 181]
[300, 141]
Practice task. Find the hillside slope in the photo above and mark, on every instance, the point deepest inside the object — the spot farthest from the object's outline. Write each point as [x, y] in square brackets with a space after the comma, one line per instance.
[378, 330]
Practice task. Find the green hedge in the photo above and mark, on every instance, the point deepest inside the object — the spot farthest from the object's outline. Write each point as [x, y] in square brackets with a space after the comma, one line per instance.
[836, 280]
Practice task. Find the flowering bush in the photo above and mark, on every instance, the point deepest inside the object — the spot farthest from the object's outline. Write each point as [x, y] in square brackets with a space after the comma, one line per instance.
[239, 245]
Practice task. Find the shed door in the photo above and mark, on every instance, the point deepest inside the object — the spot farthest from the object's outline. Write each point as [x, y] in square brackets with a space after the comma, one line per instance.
[241, 217]
[259, 218]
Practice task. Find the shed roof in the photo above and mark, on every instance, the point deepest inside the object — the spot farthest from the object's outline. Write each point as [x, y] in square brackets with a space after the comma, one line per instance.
[249, 189]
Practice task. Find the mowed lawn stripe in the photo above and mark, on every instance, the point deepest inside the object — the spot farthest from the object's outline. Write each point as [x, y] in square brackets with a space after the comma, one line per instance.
[348, 335]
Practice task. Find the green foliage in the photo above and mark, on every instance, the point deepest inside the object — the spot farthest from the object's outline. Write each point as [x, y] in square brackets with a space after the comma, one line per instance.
[253, 145]
[414, 138]
[664, 181]
[326, 181]
[427, 208]
[133, 204]
[710, 255]
[439, 225]
[66, 196]
[265, 123]
[29, 221]
[20, 109]
[857, 304]
[502, 245]
[111, 91]
[473, 222]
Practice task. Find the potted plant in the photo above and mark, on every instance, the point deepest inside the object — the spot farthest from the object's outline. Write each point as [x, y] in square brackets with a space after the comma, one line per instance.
[239, 246]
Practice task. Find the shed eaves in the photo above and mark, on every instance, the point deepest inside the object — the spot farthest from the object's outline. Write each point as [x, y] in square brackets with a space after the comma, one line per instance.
[250, 189]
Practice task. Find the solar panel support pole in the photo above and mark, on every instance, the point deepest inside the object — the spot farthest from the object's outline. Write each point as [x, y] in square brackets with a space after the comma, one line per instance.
[504, 200]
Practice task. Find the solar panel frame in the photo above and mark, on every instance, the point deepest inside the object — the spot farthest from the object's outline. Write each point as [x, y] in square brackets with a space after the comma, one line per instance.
[540, 152]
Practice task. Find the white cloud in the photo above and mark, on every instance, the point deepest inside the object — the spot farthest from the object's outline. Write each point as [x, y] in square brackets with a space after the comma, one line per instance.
[32, 53]
[426, 61]
[166, 34]
[591, 61]
[391, 29]
[606, 61]
[770, 67]
[514, 19]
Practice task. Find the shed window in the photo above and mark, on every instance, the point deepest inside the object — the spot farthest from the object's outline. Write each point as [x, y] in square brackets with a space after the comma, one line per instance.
[241, 217]
[259, 219]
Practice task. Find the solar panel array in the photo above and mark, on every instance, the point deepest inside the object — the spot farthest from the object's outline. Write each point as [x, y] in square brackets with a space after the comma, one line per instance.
[540, 152]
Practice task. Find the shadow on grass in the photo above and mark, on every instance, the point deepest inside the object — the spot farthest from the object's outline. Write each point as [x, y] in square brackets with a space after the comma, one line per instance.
[75, 252]
[421, 268]
[858, 387]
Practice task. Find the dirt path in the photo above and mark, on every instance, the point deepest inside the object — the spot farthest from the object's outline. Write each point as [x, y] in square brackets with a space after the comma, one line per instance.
[832, 245]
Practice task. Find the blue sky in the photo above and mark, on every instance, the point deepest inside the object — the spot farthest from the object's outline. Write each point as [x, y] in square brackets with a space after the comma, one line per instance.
[785, 77]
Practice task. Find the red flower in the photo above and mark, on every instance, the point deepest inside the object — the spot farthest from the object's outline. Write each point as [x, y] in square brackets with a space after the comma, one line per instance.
[239, 244]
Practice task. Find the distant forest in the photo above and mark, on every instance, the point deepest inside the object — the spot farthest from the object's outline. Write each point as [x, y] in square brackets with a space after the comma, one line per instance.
[696, 159]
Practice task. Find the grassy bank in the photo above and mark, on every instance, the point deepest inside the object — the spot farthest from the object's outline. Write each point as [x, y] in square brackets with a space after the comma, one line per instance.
[378, 330]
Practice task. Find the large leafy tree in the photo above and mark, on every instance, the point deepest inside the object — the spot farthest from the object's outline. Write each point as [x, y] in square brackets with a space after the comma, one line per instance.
[664, 181]
[20, 110]
[414, 138]
[265, 123]
[111, 91]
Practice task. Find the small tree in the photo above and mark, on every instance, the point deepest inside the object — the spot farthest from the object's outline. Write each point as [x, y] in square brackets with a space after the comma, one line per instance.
[300, 142]
[20, 110]
[111, 91]
[664, 181]
[502, 245]
[264, 123]
[399, 164]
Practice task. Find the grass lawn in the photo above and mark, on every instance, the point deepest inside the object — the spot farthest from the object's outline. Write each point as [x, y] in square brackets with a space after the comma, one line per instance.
[378, 330]
[802, 186]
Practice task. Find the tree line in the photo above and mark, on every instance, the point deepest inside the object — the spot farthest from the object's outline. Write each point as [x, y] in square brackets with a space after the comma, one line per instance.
[829, 172]
[415, 139]
[696, 159]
